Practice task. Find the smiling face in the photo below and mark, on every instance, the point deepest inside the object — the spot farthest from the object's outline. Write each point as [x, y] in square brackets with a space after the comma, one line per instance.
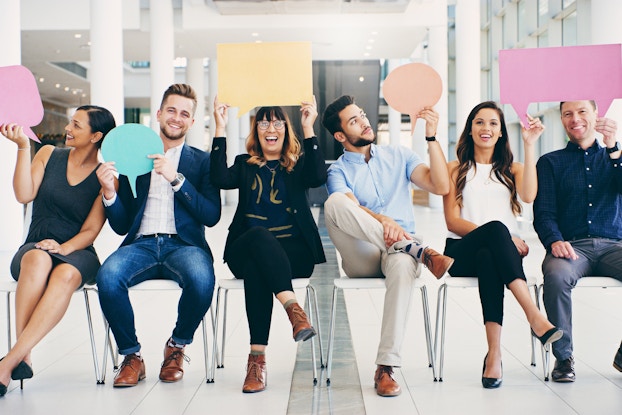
[271, 134]
[175, 117]
[579, 120]
[486, 128]
[78, 130]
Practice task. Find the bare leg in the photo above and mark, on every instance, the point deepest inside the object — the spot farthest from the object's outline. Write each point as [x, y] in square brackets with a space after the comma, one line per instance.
[493, 361]
[49, 310]
[285, 296]
[536, 319]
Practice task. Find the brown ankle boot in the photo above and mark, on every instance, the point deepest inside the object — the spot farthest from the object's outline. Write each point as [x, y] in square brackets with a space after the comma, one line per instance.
[300, 323]
[438, 264]
[256, 376]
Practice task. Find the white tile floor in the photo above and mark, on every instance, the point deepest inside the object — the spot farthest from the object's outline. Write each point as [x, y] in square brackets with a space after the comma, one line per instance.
[64, 379]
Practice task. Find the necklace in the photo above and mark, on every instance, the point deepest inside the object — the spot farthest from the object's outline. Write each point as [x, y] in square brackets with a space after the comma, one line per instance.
[272, 169]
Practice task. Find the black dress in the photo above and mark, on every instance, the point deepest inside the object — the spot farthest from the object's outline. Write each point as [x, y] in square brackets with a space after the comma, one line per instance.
[58, 212]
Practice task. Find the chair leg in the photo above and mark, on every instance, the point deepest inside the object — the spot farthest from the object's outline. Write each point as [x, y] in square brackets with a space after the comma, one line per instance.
[8, 320]
[428, 330]
[331, 337]
[313, 357]
[317, 324]
[98, 375]
[544, 349]
[224, 329]
[441, 311]
[205, 352]
[215, 352]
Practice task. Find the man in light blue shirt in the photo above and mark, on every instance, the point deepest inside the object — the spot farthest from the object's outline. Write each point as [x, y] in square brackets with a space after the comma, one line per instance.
[370, 219]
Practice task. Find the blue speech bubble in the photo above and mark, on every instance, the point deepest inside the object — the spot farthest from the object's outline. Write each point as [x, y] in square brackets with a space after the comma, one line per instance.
[128, 145]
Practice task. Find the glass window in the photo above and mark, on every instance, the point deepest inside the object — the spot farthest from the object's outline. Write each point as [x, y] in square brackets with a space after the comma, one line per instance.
[522, 20]
[543, 11]
[566, 3]
[569, 30]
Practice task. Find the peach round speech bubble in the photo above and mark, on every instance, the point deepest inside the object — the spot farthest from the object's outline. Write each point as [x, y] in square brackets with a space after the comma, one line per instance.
[410, 88]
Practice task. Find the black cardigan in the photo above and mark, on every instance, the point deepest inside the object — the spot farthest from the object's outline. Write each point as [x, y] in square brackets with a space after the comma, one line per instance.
[310, 171]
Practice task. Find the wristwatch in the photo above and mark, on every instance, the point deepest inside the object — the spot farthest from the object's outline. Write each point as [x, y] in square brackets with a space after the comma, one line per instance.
[178, 179]
[613, 149]
[433, 138]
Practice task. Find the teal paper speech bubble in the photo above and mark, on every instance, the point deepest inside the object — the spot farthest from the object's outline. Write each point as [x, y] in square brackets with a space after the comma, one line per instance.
[128, 145]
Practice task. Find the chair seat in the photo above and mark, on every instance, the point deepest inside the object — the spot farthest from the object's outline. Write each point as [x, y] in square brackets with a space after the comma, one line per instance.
[470, 282]
[599, 282]
[238, 284]
[156, 285]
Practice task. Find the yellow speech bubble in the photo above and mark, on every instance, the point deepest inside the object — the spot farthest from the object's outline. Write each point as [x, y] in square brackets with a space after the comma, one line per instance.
[264, 74]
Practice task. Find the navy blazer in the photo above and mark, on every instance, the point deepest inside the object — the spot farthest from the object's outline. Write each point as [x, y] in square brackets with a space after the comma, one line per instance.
[197, 202]
[310, 171]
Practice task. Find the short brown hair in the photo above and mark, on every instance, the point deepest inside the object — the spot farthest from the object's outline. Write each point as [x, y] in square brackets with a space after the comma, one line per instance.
[183, 90]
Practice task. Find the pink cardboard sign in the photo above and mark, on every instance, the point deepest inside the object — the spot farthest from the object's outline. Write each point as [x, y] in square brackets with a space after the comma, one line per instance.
[410, 88]
[568, 73]
[20, 101]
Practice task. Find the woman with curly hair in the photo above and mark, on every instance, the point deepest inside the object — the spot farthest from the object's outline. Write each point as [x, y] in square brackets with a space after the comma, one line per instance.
[273, 237]
[480, 211]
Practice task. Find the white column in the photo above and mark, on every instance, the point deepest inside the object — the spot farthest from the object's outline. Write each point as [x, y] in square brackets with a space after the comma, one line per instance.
[195, 77]
[12, 217]
[605, 23]
[395, 117]
[233, 144]
[212, 72]
[106, 69]
[162, 52]
[468, 67]
[437, 56]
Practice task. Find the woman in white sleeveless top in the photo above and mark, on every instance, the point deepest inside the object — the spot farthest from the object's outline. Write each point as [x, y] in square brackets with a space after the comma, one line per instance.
[480, 211]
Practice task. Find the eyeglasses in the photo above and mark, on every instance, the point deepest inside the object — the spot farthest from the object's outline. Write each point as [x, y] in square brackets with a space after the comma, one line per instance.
[277, 124]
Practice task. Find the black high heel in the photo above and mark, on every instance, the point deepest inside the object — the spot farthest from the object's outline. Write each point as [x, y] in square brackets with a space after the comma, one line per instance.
[551, 336]
[490, 383]
[2, 390]
[20, 372]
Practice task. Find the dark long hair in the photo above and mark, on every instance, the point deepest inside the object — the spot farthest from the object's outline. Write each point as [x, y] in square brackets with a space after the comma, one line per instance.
[502, 157]
[100, 120]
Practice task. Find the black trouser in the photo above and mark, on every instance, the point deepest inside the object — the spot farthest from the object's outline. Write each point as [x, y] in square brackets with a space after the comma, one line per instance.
[488, 253]
[267, 266]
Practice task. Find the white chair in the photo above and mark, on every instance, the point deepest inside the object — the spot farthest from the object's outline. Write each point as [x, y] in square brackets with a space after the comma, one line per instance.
[160, 285]
[585, 282]
[441, 314]
[346, 283]
[226, 284]
[10, 286]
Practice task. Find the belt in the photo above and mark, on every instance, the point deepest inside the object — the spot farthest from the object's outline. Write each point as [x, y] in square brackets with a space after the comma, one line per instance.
[158, 235]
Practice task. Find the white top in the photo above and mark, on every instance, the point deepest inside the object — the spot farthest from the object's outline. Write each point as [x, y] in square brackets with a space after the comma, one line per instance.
[485, 199]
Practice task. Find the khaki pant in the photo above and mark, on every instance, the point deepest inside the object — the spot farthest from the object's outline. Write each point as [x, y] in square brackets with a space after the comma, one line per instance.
[359, 239]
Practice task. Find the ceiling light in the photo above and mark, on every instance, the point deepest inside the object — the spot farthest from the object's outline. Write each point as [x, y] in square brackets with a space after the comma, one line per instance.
[77, 35]
[361, 79]
[66, 88]
[254, 34]
[42, 79]
[57, 85]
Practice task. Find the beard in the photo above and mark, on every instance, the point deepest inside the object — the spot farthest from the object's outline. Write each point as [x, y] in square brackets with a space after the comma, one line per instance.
[361, 141]
[181, 134]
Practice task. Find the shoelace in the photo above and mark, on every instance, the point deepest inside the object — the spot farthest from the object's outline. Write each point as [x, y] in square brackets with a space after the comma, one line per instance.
[427, 259]
[253, 369]
[386, 369]
[174, 356]
[126, 362]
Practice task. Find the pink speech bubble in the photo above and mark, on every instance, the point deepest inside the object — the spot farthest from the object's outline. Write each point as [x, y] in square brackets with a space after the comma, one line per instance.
[20, 101]
[569, 73]
[410, 88]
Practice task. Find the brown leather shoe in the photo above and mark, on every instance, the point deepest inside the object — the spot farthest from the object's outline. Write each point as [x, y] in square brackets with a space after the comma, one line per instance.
[256, 376]
[300, 323]
[438, 264]
[172, 370]
[384, 382]
[132, 371]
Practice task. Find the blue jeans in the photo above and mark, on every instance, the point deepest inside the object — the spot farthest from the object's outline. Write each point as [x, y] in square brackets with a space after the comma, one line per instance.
[597, 256]
[155, 258]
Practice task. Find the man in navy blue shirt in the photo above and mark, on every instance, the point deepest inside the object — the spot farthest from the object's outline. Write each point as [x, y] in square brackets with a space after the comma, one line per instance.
[578, 217]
